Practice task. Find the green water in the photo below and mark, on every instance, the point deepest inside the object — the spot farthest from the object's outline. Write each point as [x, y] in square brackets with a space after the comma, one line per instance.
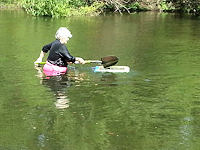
[156, 106]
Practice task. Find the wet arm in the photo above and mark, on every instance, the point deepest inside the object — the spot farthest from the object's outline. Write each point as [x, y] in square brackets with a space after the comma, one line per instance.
[44, 50]
[42, 54]
[39, 60]
[68, 57]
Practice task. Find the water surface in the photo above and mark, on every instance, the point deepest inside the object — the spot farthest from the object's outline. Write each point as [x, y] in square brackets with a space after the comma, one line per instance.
[156, 106]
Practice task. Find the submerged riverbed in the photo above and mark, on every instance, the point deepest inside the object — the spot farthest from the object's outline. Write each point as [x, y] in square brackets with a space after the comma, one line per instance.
[156, 106]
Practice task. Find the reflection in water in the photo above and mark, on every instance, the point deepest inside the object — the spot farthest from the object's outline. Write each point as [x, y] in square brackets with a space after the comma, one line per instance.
[109, 79]
[59, 84]
[62, 101]
[41, 140]
[186, 132]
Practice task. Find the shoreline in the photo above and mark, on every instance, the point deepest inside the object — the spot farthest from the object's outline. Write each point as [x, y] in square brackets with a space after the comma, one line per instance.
[4, 6]
[16, 6]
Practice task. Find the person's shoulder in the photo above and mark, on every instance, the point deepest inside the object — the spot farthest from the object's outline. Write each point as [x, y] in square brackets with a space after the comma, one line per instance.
[56, 43]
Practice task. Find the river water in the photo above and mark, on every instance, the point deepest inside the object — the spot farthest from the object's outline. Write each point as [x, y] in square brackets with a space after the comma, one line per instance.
[156, 106]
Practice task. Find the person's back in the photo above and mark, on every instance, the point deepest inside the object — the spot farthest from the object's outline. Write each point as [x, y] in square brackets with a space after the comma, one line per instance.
[59, 55]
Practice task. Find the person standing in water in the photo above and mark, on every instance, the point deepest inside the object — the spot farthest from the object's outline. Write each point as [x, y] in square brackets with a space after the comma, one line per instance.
[59, 56]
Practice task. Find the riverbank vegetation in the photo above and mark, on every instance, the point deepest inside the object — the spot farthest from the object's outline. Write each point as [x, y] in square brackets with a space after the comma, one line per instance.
[59, 8]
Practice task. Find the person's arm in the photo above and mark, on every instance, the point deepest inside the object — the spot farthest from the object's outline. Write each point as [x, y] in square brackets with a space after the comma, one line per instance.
[70, 58]
[39, 60]
[44, 50]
